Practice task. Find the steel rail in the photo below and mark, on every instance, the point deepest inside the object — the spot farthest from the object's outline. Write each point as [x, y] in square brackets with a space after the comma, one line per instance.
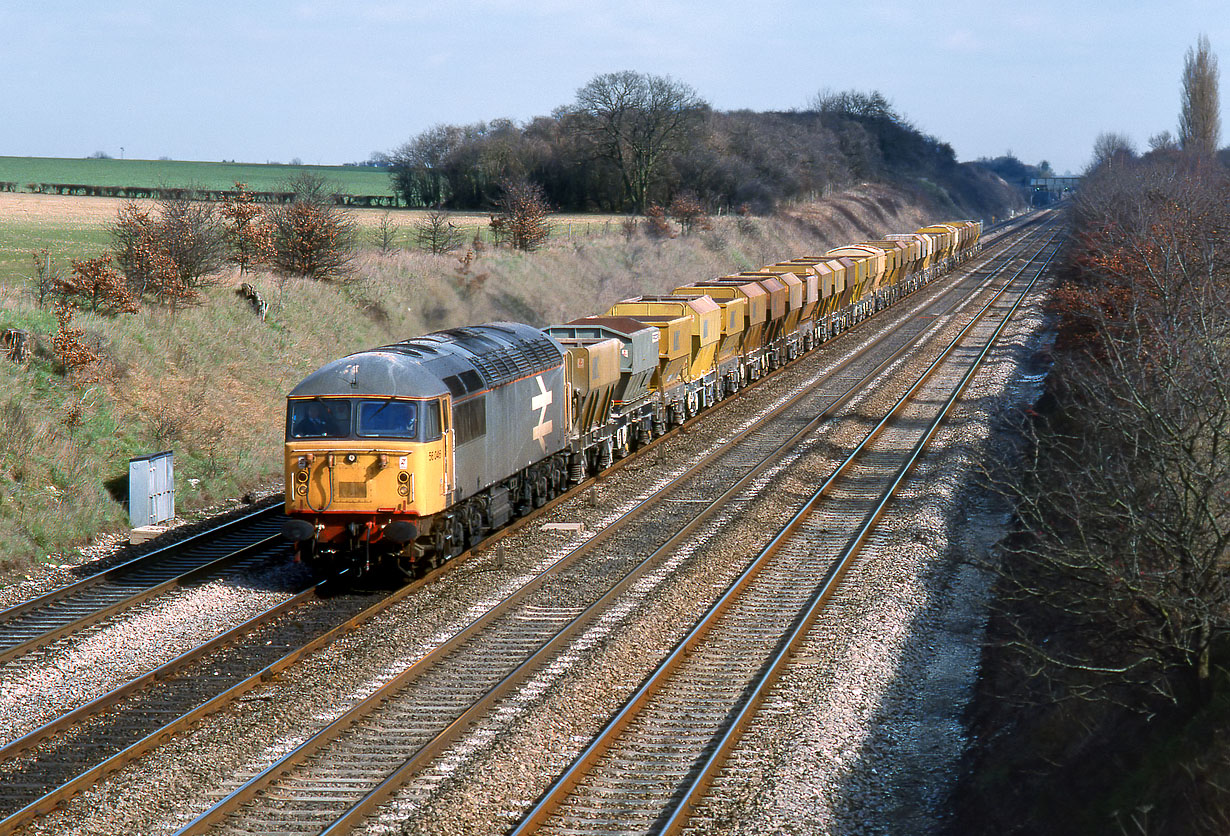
[725, 745]
[128, 566]
[555, 795]
[49, 801]
[100, 614]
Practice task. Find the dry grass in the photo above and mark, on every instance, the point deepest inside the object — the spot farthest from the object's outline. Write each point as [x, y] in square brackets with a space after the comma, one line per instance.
[210, 381]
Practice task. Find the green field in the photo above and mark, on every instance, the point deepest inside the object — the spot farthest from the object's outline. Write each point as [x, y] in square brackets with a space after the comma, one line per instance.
[18, 243]
[265, 177]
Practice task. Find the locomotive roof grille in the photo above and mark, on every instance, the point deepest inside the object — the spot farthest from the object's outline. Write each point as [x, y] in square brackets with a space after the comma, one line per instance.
[501, 365]
[531, 355]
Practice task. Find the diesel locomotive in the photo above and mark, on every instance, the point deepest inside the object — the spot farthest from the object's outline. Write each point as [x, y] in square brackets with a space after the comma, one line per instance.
[410, 453]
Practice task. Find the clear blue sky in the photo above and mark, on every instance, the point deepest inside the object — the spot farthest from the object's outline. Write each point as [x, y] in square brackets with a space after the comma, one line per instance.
[331, 82]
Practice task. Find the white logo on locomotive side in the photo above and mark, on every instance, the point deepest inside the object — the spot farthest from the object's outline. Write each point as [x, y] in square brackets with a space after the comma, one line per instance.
[539, 403]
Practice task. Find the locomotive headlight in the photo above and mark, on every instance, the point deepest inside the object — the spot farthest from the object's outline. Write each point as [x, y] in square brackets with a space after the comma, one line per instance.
[404, 490]
[302, 475]
[351, 458]
[404, 477]
[301, 489]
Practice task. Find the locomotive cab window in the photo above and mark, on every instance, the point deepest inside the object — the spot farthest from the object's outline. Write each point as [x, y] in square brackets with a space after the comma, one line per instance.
[429, 419]
[388, 419]
[318, 418]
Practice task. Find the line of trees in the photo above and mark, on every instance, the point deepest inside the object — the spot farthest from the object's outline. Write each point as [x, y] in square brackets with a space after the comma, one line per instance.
[1126, 501]
[1104, 688]
[630, 140]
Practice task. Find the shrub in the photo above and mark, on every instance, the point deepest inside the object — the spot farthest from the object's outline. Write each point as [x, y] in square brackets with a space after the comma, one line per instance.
[521, 219]
[96, 282]
[656, 223]
[688, 213]
[312, 236]
[170, 255]
[248, 235]
[71, 351]
[436, 233]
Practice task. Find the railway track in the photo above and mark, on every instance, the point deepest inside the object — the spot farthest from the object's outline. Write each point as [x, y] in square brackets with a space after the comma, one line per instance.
[647, 769]
[45, 767]
[36, 623]
[344, 771]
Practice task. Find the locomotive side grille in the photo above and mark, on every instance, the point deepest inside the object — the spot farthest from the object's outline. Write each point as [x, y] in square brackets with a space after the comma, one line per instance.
[352, 490]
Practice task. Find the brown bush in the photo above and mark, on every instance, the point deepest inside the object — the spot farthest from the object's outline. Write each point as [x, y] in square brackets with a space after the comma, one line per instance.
[312, 236]
[98, 284]
[656, 223]
[687, 211]
[248, 234]
[170, 255]
[521, 219]
[74, 356]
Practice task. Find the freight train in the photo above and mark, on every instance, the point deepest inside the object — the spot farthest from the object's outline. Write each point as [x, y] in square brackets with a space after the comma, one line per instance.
[410, 453]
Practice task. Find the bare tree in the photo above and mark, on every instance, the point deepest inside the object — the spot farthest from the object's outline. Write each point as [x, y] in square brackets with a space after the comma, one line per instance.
[437, 234]
[1112, 147]
[1125, 498]
[853, 103]
[418, 166]
[1163, 141]
[171, 252]
[1200, 111]
[192, 234]
[385, 234]
[46, 276]
[634, 121]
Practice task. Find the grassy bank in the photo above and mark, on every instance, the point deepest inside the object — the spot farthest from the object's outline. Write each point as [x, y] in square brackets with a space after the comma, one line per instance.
[209, 382]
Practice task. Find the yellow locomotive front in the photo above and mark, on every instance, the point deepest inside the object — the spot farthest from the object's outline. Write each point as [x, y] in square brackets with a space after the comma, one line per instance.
[362, 473]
